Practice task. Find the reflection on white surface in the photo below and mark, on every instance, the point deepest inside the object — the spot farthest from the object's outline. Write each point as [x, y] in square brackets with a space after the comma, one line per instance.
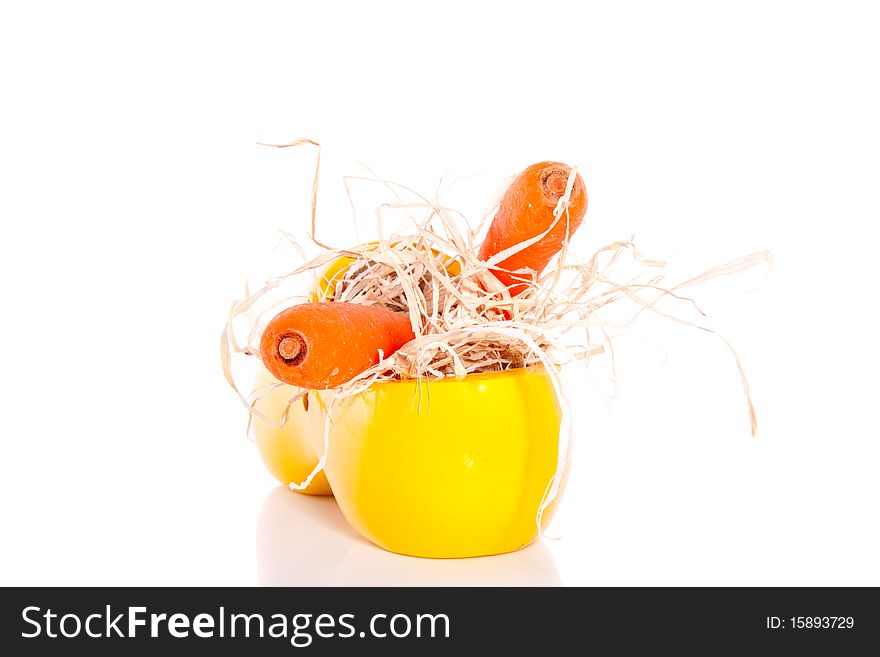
[306, 541]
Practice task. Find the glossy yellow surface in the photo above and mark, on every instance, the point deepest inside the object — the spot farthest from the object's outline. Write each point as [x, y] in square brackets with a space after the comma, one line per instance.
[446, 468]
[286, 451]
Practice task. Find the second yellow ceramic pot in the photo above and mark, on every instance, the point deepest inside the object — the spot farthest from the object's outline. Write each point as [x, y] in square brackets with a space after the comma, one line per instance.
[285, 450]
[454, 467]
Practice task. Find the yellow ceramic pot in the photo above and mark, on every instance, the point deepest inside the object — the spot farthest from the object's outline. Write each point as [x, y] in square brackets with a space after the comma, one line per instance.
[454, 467]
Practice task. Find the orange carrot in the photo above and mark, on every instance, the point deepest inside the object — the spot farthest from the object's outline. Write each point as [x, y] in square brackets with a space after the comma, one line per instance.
[525, 212]
[323, 345]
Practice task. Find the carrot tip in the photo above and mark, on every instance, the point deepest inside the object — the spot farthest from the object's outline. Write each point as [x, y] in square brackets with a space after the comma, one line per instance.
[292, 348]
[554, 183]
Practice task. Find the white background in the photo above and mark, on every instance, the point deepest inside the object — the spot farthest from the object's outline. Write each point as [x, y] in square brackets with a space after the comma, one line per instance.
[133, 200]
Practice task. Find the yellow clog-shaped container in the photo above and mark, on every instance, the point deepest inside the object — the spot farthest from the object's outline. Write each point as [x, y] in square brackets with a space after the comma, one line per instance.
[454, 467]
